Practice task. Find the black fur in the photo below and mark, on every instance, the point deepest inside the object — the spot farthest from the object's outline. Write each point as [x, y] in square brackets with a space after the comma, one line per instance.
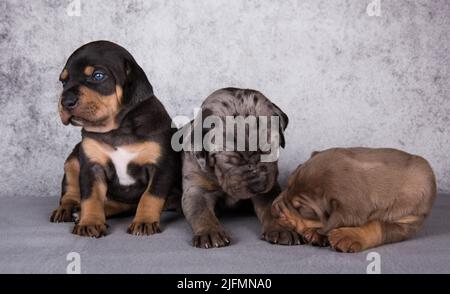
[141, 118]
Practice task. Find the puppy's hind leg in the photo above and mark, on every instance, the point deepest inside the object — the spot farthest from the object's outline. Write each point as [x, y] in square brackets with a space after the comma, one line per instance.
[70, 194]
[356, 239]
[373, 233]
[402, 229]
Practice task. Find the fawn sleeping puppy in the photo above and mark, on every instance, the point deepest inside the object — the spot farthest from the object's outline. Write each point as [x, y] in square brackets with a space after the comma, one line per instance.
[124, 162]
[357, 198]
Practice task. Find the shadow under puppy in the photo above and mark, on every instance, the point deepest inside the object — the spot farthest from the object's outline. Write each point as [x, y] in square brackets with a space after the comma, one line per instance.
[357, 198]
[220, 177]
[124, 162]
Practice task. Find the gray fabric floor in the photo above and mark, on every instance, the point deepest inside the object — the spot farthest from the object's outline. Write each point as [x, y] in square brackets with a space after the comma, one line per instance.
[29, 243]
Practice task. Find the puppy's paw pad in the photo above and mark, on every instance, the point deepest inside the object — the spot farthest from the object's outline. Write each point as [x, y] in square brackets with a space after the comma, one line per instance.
[93, 231]
[212, 239]
[282, 237]
[62, 214]
[344, 240]
[143, 229]
[313, 238]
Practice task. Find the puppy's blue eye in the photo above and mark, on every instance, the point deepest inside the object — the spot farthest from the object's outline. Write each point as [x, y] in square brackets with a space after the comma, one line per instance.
[98, 76]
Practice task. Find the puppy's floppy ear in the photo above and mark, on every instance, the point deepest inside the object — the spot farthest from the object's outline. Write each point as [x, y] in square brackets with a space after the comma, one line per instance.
[137, 85]
[130, 76]
[199, 151]
[284, 121]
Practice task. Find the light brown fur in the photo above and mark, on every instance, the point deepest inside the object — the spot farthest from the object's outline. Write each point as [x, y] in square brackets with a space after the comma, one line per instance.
[148, 213]
[355, 239]
[72, 171]
[101, 110]
[70, 199]
[93, 219]
[149, 209]
[93, 208]
[96, 151]
[64, 75]
[147, 152]
[88, 70]
[372, 196]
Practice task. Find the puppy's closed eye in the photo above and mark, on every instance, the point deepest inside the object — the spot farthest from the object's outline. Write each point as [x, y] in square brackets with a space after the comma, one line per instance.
[306, 212]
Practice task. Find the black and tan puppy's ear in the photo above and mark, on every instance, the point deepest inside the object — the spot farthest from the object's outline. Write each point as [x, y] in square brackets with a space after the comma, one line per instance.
[135, 82]
[284, 121]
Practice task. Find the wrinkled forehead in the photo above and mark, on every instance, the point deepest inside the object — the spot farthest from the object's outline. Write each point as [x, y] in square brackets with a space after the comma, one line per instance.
[224, 155]
[252, 137]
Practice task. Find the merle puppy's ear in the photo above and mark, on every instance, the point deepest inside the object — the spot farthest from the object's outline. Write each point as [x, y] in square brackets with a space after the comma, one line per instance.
[284, 121]
[198, 150]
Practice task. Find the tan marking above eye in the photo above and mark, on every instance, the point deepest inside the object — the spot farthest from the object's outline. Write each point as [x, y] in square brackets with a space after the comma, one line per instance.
[64, 75]
[88, 70]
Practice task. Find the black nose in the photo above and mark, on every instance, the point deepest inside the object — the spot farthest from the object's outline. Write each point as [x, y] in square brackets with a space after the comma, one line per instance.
[69, 101]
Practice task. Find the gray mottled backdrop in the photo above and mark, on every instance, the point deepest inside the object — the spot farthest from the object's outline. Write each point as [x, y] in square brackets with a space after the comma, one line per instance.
[344, 78]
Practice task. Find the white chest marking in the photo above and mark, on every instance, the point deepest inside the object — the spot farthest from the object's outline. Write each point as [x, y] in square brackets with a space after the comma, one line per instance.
[121, 158]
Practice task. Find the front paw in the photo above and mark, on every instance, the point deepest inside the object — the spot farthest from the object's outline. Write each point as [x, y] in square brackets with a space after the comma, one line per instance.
[281, 236]
[143, 229]
[313, 238]
[63, 214]
[93, 231]
[283, 216]
[211, 239]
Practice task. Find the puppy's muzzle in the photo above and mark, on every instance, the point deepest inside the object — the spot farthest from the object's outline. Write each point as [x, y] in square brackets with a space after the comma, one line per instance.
[258, 181]
[69, 101]
[259, 187]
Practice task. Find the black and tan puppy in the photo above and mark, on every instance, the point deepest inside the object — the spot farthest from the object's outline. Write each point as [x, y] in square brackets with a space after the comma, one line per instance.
[357, 198]
[124, 162]
[211, 178]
